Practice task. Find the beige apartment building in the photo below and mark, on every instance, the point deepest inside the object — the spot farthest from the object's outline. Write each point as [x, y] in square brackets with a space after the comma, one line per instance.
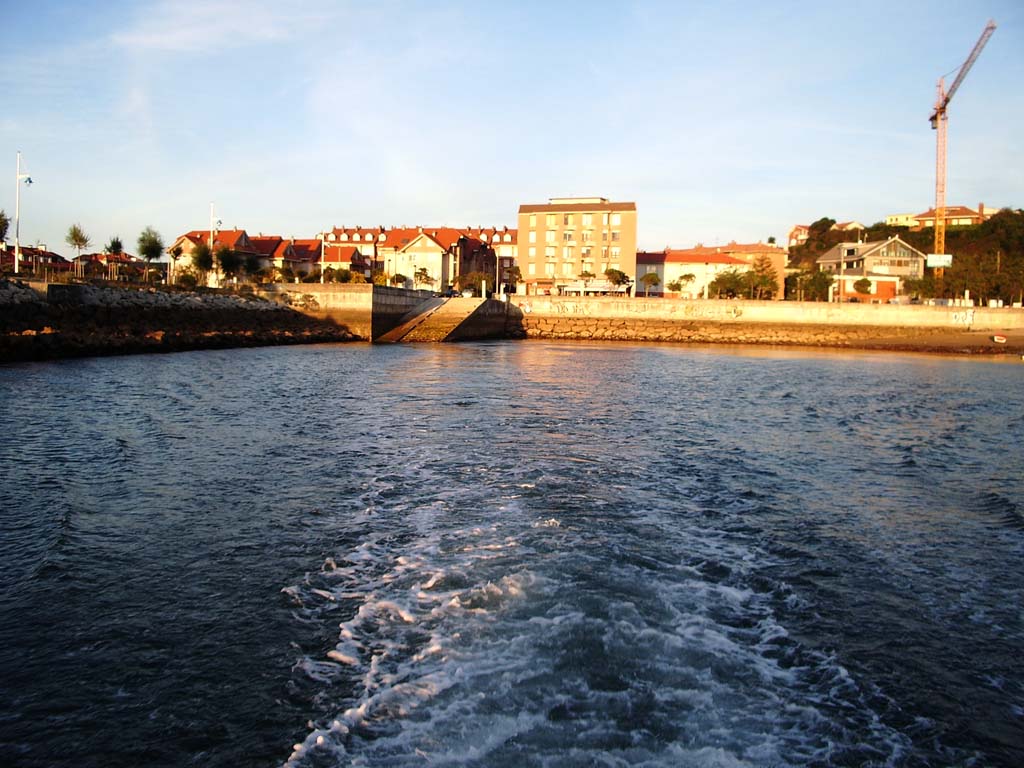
[568, 237]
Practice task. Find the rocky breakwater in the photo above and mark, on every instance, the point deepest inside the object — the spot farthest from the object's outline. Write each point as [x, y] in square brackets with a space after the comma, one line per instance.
[42, 322]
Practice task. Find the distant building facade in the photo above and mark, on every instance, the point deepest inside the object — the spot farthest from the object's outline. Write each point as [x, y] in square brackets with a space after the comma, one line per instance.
[697, 267]
[567, 238]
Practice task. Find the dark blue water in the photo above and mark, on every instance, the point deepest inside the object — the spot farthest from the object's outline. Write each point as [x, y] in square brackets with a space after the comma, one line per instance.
[512, 554]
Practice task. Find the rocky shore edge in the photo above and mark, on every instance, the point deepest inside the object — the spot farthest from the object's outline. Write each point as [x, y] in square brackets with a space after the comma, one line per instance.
[87, 321]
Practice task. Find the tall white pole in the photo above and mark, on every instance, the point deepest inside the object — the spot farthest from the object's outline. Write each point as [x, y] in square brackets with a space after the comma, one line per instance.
[17, 215]
[323, 245]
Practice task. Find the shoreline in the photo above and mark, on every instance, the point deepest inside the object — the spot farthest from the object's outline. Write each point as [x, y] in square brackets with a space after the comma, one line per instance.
[89, 321]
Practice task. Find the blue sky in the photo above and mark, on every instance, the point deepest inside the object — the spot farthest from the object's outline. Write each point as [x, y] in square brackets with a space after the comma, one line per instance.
[723, 121]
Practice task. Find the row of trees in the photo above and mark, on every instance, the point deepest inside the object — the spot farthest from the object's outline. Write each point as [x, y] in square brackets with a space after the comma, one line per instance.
[150, 244]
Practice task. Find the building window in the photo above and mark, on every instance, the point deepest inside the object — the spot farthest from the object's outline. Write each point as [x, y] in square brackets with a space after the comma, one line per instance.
[604, 252]
[567, 220]
[532, 251]
[549, 236]
[549, 251]
[587, 236]
[549, 269]
[588, 266]
[616, 252]
[585, 218]
[585, 251]
[531, 269]
[567, 237]
[567, 252]
[604, 219]
[616, 219]
[533, 219]
[532, 236]
[567, 269]
[604, 236]
[615, 237]
[550, 219]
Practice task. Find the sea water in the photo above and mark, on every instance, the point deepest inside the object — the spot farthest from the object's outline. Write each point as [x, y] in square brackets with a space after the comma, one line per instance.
[512, 554]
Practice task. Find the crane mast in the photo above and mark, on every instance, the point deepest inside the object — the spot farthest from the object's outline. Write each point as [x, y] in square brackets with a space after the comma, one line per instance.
[938, 120]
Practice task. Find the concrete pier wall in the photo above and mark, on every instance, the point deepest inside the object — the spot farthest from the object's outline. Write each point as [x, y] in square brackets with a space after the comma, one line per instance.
[367, 310]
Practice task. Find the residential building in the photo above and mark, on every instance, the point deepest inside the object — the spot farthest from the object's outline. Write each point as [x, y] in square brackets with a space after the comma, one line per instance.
[181, 249]
[885, 263]
[34, 258]
[696, 268]
[363, 239]
[956, 216]
[847, 226]
[569, 237]
[900, 220]
[504, 243]
[798, 234]
[444, 253]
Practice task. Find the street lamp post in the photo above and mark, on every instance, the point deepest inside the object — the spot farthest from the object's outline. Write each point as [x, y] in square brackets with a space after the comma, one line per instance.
[323, 245]
[18, 178]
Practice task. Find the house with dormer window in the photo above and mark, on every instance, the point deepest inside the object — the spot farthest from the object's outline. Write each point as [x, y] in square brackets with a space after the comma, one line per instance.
[884, 263]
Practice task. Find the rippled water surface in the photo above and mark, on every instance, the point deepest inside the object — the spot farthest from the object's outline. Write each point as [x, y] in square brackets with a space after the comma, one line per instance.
[512, 554]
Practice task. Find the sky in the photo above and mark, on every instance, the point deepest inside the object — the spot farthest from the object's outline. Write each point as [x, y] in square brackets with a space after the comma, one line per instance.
[722, 121]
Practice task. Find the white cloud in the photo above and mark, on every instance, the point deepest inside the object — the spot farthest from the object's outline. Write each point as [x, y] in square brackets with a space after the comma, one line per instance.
[185, 26]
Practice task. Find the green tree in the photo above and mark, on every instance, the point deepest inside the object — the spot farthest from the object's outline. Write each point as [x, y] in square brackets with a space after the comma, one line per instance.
[771, 240]
[762, 279]
[514, 275]
[728, 284]
[343, 275]
[379, 278]
[187, 279]
[150, 245]
[862, 286]
[202, 257]
[471, 281]
[808, 285]
[398, 279]
[229, 261]
[422, 277]
[677, 285]
[650, 279]
[4, 224]
[115, 247]
[616, 276]
[253, 265]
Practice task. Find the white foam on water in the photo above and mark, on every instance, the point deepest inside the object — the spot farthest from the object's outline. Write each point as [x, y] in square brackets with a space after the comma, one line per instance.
[488, 645]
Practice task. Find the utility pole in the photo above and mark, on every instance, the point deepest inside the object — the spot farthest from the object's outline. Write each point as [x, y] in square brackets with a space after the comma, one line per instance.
[18, 178]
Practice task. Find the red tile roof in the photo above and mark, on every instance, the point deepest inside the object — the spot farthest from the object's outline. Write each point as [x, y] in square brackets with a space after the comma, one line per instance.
[265, 245]
[957, 211]
[341, 254]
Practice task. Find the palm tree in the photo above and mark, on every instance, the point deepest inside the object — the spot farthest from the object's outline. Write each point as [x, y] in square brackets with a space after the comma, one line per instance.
[78, 240]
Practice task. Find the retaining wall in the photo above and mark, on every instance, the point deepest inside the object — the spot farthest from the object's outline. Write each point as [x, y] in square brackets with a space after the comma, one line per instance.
[565, 313]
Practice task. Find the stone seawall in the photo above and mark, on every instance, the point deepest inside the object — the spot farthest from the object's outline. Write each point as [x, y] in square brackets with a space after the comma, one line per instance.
[84, 320]
[908, 328]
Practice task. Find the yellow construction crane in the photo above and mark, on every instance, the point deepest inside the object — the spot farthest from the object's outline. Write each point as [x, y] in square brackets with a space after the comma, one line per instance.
[938, 120]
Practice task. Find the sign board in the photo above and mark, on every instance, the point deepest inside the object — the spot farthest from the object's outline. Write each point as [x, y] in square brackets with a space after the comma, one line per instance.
[939, 260]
